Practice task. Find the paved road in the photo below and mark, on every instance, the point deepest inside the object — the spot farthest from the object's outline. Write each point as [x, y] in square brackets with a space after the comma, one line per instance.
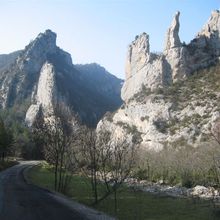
[22, 201]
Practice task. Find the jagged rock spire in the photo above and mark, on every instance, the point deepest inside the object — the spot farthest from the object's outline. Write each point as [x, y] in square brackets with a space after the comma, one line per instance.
[212, 26]
[209, 36]
[138, 53]
[143, 68]
[149, 71]
[172, 38]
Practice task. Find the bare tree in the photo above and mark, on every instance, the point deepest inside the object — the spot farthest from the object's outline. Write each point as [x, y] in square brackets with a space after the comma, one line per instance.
[57, 134]
[86, 154]
[104, 160]
[117, 159]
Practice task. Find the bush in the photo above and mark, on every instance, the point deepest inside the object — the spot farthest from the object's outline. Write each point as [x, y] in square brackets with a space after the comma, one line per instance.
[109, 116]
[187, 180]
[142, 94]
[161, 125]
[131, 129]
[141, 174]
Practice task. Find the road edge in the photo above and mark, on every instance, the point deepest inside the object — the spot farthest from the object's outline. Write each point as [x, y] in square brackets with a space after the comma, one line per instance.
[88, 212]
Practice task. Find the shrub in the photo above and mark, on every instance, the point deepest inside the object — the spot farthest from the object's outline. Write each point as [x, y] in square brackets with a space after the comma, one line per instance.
[161, 125]
[141, 174]
[109, 116]
[131, 129]
[186, 180]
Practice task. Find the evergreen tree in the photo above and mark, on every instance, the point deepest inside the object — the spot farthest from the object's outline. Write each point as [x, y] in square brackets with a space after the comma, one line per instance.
[6, 140]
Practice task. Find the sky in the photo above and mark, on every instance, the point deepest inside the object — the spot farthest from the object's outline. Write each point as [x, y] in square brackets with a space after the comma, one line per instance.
[99, 30]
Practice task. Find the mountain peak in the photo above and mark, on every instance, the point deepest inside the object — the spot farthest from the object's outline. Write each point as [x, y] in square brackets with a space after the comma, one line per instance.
[37, 51]
[138, 52]
[45, 41]
[48, 35]
[172, 38]
[212, 27]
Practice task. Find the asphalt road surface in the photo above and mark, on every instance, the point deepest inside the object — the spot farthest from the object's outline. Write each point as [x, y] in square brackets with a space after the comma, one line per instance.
[22, 201]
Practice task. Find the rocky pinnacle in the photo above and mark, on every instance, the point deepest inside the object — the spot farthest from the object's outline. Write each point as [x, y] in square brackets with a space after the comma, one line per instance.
[145, 107]
[172, 38]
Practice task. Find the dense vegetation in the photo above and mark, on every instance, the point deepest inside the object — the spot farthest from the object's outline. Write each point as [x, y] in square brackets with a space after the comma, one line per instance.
[21, 142]
[6, 140]
[7, 146]
[184, 166]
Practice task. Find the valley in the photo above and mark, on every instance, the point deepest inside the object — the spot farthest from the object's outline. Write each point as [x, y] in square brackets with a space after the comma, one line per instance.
[74, 138]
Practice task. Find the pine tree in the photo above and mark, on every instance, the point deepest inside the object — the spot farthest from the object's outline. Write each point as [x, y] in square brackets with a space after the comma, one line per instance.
[5, 140]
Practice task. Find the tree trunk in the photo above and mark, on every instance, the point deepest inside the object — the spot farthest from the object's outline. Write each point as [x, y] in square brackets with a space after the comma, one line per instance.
[60, 173]
[115, 198]
[55, 175]
[95, 188]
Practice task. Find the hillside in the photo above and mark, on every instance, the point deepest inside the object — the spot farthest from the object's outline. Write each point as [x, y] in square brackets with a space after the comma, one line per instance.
[7, 59]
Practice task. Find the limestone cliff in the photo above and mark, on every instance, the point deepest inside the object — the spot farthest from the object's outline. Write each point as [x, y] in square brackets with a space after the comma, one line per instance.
[209, 35]
[170, 98]
[42, 75]
[143, 68]
[177, 61]
[45, 96]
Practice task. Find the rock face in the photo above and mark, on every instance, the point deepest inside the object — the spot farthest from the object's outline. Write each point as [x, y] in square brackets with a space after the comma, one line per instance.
[38, 51]
[209, 35]
[7, 59]
[143, 68]
[165, 103]
[45, 96]
[175, 53]
[176, 62]
[173, 39]
[103, 82]
[42, 75]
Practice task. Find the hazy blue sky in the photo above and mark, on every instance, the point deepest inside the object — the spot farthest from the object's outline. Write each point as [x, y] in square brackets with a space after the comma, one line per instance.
[99, 30]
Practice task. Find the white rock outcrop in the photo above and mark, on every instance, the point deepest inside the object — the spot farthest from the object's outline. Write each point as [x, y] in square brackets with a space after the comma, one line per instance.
[45, 96]
[154, 117]
[172, 38]
[202, 192]
[210, 33]
[143, 68]
[177, 60]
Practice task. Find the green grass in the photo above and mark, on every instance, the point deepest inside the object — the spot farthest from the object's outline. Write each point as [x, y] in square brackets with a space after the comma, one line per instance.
[132, 204]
